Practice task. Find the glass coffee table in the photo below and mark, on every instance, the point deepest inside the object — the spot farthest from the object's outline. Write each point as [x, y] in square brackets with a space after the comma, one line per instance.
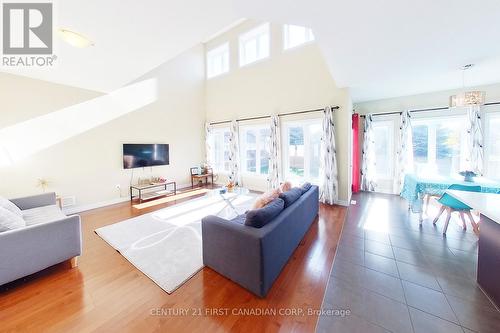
[229, 197]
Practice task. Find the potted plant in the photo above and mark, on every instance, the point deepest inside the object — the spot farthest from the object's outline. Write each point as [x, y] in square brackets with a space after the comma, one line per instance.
[230, 186]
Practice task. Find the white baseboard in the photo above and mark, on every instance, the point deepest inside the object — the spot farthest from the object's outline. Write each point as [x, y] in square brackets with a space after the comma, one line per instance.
[82, 208]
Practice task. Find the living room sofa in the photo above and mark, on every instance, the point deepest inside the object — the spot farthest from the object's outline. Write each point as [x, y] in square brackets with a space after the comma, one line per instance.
[49, 237]
[254, 257]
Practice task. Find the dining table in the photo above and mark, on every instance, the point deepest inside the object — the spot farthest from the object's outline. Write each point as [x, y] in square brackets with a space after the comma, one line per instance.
[416, 187]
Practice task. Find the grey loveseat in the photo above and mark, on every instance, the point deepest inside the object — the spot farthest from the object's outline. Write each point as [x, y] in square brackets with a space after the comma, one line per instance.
[50, 237]
[254, 257]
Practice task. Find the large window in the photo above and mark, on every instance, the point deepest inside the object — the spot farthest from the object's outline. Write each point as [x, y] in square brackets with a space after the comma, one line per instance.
[295, 35]
[254, 149]
[254, 44]
[301, 148]
[218, 60]
[383, 132]
[492, 145]
[220, 149]
[437, 144]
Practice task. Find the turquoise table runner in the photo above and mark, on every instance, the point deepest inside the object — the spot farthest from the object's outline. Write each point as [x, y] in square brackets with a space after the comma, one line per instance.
[414, 188]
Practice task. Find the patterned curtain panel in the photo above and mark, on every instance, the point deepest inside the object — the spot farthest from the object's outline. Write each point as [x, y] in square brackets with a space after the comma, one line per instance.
[273, 179]
[208, 144]
[368, 182]
[405, 151]
[329, 185]
[234, 154]
[474, 156]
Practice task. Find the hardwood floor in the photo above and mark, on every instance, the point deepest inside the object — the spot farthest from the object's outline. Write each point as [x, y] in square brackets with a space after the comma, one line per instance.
[107, 294]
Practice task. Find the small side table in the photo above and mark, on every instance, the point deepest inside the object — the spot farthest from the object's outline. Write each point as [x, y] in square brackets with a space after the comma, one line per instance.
[199, 177]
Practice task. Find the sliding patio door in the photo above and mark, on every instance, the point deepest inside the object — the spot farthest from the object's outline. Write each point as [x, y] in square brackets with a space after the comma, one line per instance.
[384, 138]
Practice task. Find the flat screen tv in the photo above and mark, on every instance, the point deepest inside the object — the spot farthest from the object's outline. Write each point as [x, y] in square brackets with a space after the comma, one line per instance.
[136, 155]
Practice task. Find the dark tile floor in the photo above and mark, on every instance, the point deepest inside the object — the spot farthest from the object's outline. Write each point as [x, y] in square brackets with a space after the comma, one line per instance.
[395, 276]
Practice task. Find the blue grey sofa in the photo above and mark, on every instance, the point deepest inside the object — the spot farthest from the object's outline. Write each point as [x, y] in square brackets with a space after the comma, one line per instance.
[254, 257]
[49, 237]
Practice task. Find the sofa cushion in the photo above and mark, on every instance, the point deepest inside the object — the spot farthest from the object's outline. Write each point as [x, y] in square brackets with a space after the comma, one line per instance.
[305, 187]
[10, 206]
[259, 217]
[266, 198]
[285, 186]
[43, 214]
[10, 221]
[289, 197]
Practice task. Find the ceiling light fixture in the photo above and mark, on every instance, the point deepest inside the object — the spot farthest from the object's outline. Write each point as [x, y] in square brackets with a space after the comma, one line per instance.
[467, 98]
[74, 38]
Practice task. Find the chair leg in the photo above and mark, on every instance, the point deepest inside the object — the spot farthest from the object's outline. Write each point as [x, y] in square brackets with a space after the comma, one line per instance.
[475, 226]
[464, 224]
[441, 210]
[447, 221]
[427, 203]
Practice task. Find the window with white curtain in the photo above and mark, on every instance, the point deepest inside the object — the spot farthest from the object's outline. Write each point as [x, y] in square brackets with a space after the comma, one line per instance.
[492, 145]
[301, 150]
[438, 143]
[220, 149]
[255, 149]
[254, 44]
[294, 35]
[218, 60]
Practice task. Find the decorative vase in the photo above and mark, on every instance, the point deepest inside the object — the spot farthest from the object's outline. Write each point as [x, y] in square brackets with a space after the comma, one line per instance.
[468, 176]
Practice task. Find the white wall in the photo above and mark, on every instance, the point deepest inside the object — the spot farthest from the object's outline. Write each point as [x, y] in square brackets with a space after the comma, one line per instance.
[288, 81]
[422, 101]
[89, 165]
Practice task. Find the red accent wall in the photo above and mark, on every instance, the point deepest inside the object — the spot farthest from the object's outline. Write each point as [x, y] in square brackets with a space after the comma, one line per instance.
[355, 153]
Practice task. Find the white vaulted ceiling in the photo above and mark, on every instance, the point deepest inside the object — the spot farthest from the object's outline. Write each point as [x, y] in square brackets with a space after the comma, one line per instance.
[390, 48]
[131, 38]
[378, 49]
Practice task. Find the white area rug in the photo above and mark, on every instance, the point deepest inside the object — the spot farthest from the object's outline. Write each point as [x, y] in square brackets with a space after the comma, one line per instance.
[166, 245]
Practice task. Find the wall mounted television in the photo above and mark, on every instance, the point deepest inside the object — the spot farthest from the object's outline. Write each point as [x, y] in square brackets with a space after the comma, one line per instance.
[138, 155]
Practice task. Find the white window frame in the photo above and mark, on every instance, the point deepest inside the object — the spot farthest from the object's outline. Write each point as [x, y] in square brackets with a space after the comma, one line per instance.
[259, 146]
[222, 53]
[304, 123]
[254, 34]
[431, 143]
[486, 142]
[218, 156]
[309, 37]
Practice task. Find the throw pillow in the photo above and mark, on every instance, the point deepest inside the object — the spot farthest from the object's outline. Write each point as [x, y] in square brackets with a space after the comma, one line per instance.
[10, 221]
[289, 197]
[258, 218]
[240, 219]
[286, 186]
[305, 187]
[266, 198]
[10, 206]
